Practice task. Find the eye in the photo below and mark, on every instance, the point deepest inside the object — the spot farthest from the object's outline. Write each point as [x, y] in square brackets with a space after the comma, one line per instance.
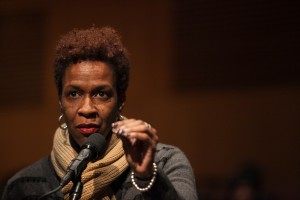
[101, 94]
[73, 94]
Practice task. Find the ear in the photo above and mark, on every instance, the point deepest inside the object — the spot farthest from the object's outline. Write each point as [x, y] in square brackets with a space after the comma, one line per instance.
[60, 105]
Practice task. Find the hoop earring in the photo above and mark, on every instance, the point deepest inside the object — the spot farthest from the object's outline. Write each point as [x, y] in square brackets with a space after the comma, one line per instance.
[121, 117]
[60, 124]
[121, 106]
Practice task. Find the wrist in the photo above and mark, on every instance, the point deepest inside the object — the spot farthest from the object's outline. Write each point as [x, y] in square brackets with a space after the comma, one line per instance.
[146, 175]
[149, 179]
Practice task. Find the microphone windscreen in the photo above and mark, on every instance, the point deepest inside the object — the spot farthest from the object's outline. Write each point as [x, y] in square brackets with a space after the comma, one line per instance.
[97, 141]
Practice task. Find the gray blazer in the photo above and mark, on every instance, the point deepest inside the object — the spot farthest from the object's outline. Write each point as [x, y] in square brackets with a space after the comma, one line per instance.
[175, 180]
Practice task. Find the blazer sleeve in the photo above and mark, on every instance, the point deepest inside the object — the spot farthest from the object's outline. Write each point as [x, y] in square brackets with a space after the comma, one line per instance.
[175, 177]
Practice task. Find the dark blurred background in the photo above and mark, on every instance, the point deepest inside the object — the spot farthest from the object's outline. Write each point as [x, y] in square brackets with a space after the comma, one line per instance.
[219, 79]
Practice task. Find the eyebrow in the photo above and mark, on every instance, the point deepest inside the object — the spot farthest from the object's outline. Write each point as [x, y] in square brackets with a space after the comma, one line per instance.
[76, 87]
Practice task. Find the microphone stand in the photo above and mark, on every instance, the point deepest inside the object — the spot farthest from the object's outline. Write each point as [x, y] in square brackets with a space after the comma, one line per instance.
[76, 191]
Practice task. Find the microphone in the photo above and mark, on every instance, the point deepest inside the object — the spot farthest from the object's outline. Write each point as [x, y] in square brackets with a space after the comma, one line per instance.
[89, 152]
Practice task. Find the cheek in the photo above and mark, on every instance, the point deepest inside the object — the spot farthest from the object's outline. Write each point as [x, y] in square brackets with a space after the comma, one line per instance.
[108, 116]
[110, 113]
[69, 112]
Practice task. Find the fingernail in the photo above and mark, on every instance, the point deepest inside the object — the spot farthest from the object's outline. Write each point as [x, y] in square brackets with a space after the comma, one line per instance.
[120, 131]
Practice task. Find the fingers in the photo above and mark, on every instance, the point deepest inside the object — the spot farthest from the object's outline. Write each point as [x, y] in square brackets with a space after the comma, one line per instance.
[135, 130]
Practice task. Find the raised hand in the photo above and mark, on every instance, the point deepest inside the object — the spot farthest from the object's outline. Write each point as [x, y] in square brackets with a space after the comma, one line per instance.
[139, 142]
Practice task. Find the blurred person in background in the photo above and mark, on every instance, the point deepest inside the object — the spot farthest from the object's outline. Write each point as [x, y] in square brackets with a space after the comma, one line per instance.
[247, 184]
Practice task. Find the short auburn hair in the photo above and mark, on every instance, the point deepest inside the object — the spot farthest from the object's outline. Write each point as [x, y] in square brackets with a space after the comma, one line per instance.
[94, 44]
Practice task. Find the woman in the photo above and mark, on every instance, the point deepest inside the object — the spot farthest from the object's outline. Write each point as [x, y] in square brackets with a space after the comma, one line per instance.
[91, 72]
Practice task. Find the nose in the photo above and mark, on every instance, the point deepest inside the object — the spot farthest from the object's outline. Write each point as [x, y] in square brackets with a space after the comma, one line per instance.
[87, 108]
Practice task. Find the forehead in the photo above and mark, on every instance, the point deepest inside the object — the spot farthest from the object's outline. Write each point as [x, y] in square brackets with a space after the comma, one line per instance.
[89, 72]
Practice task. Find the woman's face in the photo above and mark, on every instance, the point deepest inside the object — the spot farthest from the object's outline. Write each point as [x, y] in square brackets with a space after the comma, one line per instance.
[89, 99]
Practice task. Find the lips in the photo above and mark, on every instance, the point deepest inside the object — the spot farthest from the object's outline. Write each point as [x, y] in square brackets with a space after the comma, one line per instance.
[88, 129]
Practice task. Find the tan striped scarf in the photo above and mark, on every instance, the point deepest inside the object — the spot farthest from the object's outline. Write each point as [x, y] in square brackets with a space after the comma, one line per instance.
[97, 177]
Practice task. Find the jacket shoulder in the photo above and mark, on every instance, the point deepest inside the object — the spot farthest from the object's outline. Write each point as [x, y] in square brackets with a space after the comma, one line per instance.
[166, 151]
[34, 170]
[32, 181]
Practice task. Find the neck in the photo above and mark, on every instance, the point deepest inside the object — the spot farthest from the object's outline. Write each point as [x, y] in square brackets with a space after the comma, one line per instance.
[75, 146]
